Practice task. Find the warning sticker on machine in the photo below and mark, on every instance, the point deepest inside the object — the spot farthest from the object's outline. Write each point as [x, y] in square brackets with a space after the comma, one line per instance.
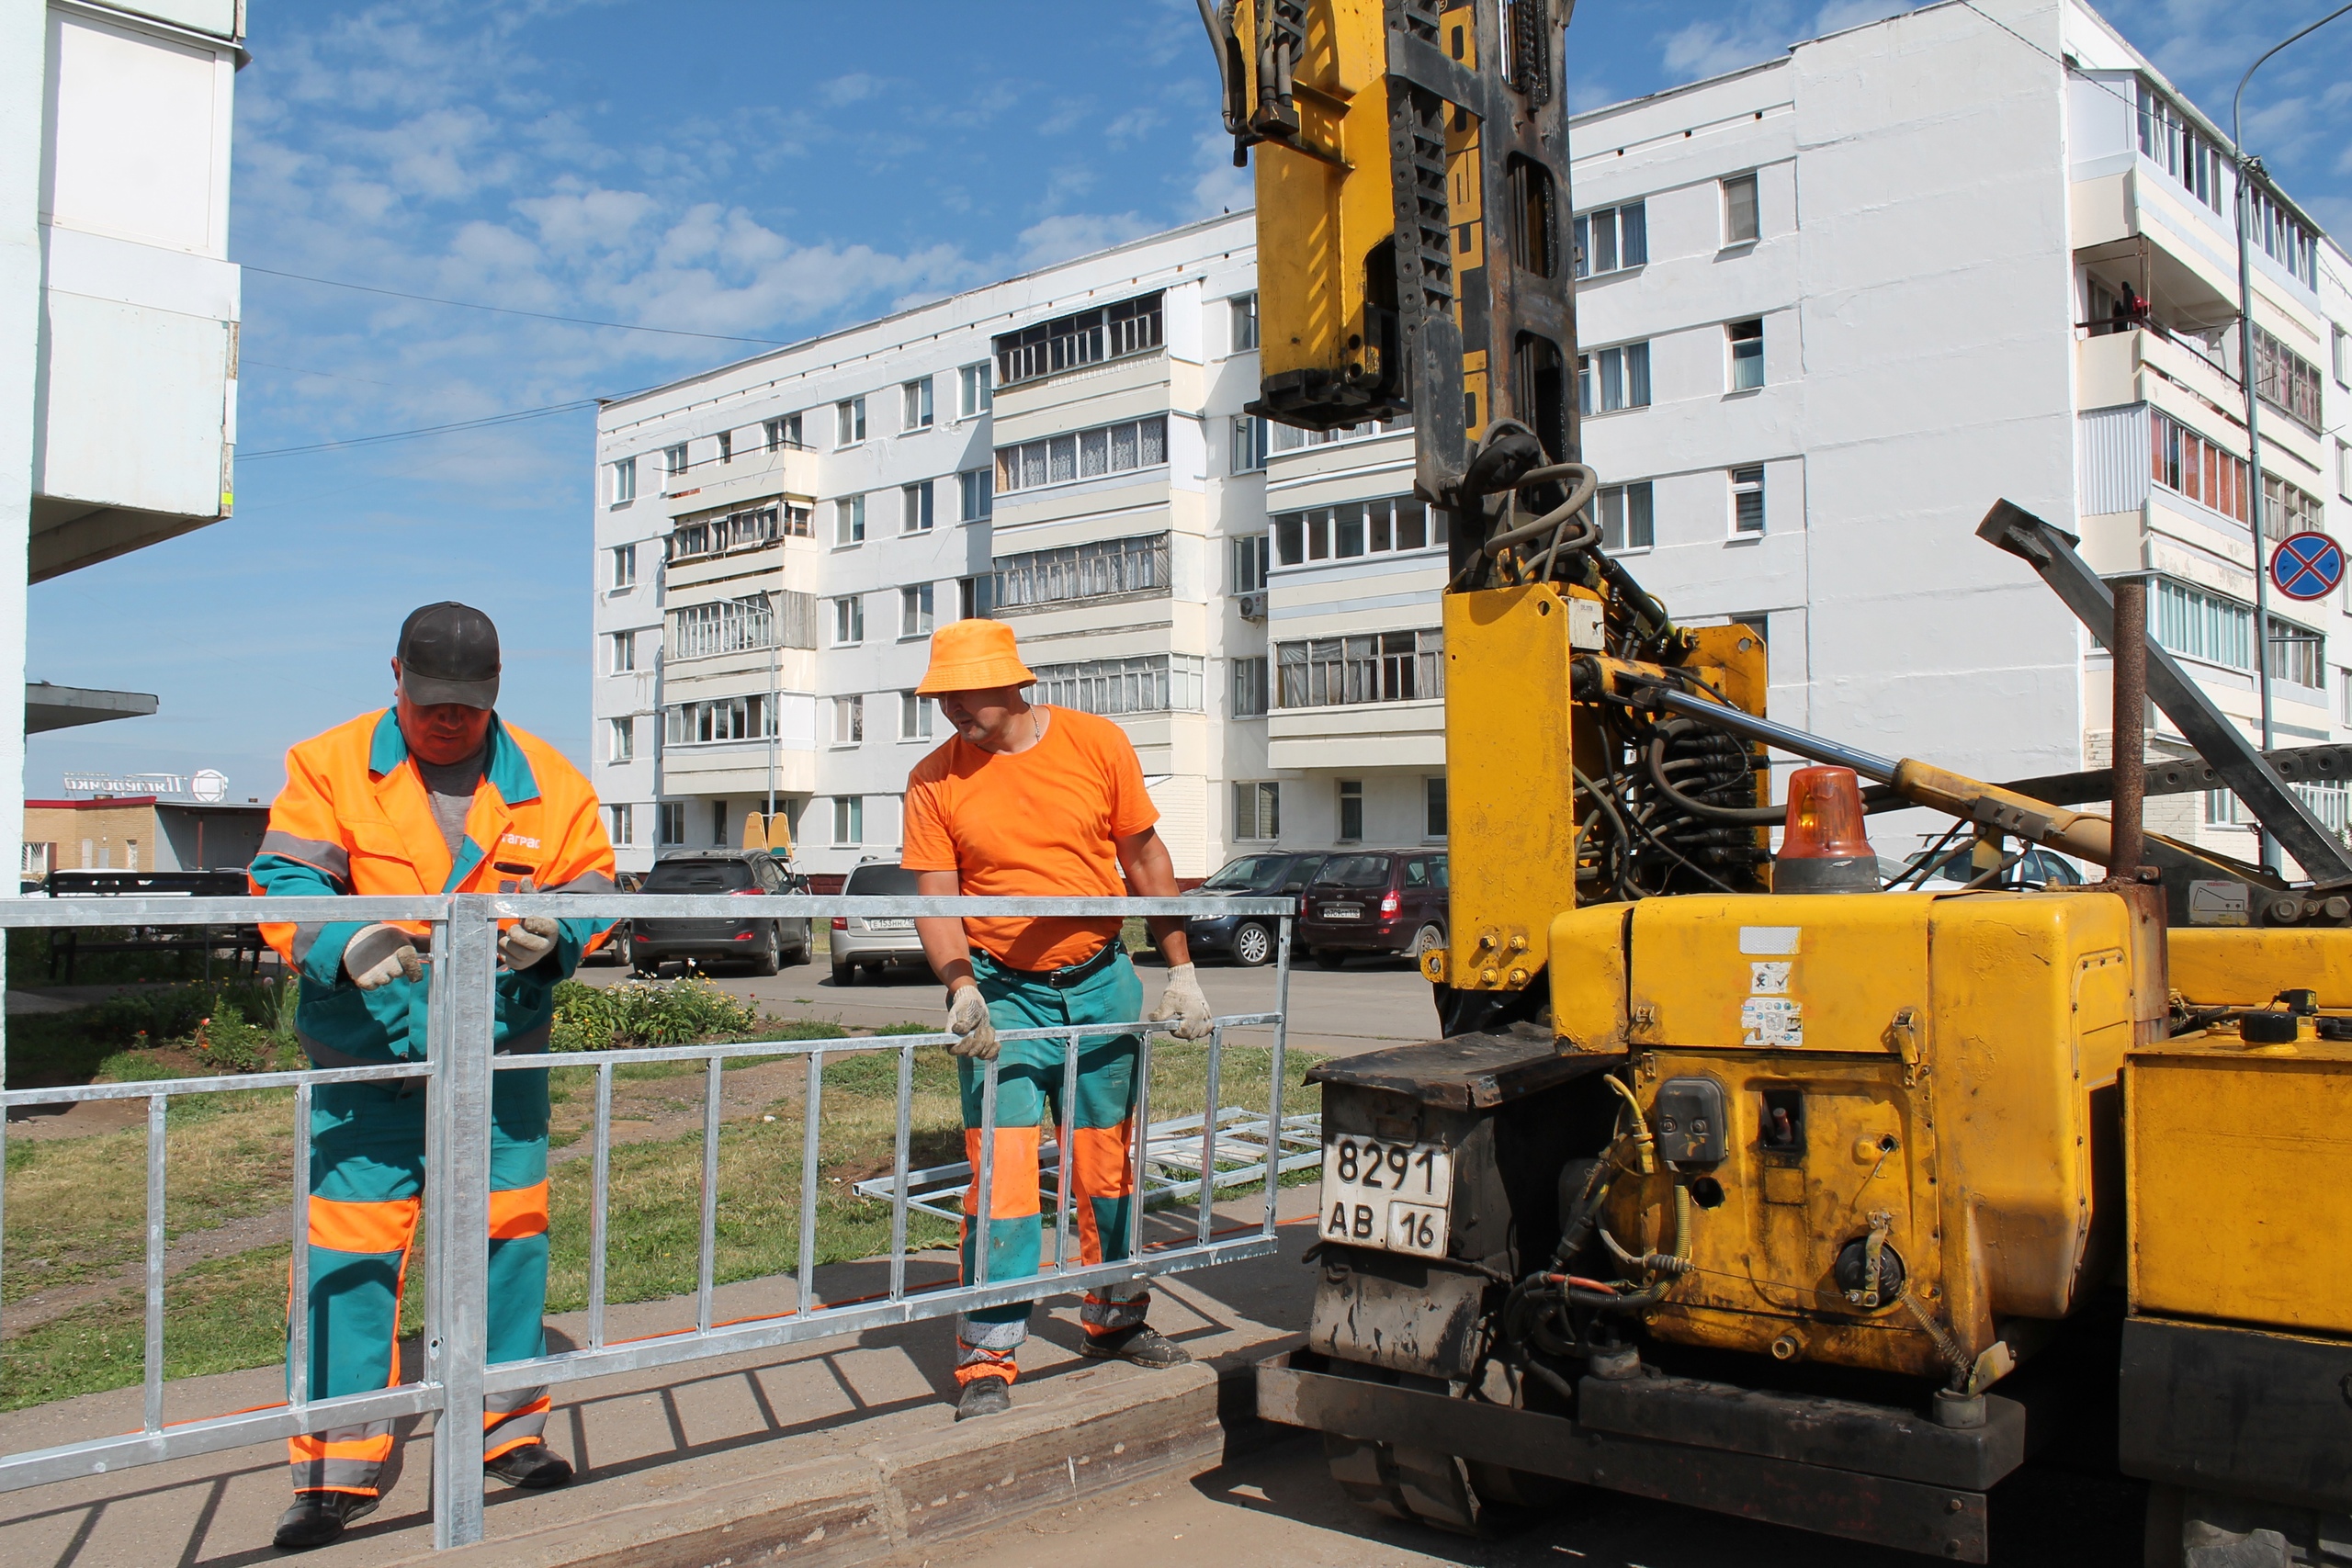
[2220, 904]
[1768, 979]
[1769, 941]
[1771, 1021]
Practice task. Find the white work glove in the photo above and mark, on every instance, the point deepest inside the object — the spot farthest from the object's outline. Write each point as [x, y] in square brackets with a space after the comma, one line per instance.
[1184, 1002]
[968, 1020]
[378, 954]
[527, 940]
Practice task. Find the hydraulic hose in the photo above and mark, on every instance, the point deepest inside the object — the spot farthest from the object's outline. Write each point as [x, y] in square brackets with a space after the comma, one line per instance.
[1744, 816]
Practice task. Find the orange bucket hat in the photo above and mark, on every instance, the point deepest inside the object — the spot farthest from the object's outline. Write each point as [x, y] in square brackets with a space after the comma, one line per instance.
[972, 656]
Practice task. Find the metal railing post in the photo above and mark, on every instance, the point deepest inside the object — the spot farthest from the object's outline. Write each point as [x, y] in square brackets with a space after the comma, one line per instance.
[155, 1349]
[804, 1293]
[899, 1182]
[707, 1242]
[1275, 1083]
[1208, 1135]
[1065, 1155]
[984, 1177]
[1140, 1189]
[298, 1288]
[600, 1203]
[461, 1265]
[437, 1191]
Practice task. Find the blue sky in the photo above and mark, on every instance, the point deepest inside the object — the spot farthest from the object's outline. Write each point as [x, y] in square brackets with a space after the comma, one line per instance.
[763, 170]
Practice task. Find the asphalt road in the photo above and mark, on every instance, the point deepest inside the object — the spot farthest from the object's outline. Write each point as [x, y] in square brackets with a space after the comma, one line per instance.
[1365, 1007]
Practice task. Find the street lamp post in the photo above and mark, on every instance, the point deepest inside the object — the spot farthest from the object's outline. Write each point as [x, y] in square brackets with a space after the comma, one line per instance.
[2248, 169]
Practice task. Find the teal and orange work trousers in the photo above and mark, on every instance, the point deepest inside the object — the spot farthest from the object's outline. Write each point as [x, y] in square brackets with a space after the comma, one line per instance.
[1099, 1166]
[367, 1188]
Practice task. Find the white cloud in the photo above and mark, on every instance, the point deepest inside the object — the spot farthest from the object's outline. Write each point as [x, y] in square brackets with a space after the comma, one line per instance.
[1059, 237]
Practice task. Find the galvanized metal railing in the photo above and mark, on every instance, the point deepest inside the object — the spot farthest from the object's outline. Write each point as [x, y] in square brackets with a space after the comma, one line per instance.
[458, 1073]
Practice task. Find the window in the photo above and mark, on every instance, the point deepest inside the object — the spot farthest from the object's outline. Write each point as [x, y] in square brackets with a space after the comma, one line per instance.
[784, 433]
[724, 531]
[1746, 354]
[975, 495]
[1257, 810]
[2343, 704]
[740, 626]
[621, 824]
[624, 652]
[975, 597]
[620, 743]
[1433, 808]
[624, 480]
[914, 405]
[914, 716]
[2283, 237]
[849, 621]
[1084, 455]
[2286, 380]
[1351, 811]
[1627, 522]
[623, 558]
[719, 822]
[1612, 239]
[914, 610]
[1612, 379]
[2287, 508]
[1748, 500]
[2344, 468]
[972, 392]
[1250, 562]
[849, 422]
[849, 820]
[915, 508]
[849, 721]
[1106, 569]
[1291, 438]
[1244, 308]
[720, 719]
[725, 439]
[1159, 683]
[2186, 462]
[1740, 224]
[2298, 654]
[1384, 666]
[2342, 341]
[670, 822]
[2169, 140]
[1249, 443]
[849, 521]
[2197, 624]
[1250, 688]
[1066, 341]
[1357, 528]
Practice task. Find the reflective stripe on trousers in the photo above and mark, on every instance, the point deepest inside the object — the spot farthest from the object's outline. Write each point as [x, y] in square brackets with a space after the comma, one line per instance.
[1098, 1164]
[366, 1174]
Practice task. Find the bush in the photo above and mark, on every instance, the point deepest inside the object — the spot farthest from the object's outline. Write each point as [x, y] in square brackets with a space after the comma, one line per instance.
[640, 1013]
[226, 1042]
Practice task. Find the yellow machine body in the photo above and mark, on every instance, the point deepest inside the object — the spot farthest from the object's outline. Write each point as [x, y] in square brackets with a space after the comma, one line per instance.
[1946, 1065]
[2214, 966]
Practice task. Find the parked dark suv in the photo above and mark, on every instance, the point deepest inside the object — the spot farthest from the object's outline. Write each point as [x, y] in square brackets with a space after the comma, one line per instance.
[1248, 939]
[1375, 901]
[763, 942]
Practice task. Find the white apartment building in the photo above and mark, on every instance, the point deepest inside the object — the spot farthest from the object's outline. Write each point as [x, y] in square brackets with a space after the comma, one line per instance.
[1830, 308]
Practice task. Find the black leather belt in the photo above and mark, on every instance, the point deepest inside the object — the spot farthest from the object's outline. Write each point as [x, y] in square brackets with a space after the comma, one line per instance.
[1062, 979]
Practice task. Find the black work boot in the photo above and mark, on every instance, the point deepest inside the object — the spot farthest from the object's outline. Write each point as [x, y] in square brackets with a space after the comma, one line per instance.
[535, 1467]
[985, 1396]
[1141, 1345]
[317, 1518]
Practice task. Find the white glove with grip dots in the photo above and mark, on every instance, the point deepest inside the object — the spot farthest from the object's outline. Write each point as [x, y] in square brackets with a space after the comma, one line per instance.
[968, 1020]
[378, 954]
[527, 940]
[1184, 1002]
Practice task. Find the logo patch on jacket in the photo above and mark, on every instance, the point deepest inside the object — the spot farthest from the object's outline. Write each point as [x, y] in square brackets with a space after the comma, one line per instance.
[519, 838]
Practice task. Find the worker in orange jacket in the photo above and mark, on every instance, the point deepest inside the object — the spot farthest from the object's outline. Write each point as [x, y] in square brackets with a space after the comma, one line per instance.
[432, 796]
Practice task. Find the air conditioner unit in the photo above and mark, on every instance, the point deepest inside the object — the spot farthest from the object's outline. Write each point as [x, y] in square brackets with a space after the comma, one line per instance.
[1253, 607]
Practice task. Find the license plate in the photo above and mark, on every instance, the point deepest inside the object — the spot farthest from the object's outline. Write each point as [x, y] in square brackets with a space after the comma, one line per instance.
[1396, 1197]
[889, 925]
[1342, 911]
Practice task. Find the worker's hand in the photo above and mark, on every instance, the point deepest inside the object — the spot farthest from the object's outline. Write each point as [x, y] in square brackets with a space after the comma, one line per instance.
[527, 940]
[378, 954]
[968, 1020]
[1184, 1002]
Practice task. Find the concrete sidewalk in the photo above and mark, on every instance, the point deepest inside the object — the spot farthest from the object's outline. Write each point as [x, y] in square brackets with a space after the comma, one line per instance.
[843, 1451]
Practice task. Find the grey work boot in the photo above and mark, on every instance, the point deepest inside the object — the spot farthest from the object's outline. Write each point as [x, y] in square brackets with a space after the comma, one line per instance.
[985, 1396]
[318, 1518]
[1141, 1345]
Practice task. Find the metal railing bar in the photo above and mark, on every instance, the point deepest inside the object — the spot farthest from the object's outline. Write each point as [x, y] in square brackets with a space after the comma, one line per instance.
[297, 1289]
[727, 906]
[1274, 1081]
[803, 1297]
[219, 1084]
[600, 1202]
[1062, 1183]
[637, 1054]
[1139, 1125]
[707, 1248]
[790, 1328]
[101, 1456]
[1209, 1130]
[153, 1355]
[903, 1148]
[980, 1212]
[50, 914]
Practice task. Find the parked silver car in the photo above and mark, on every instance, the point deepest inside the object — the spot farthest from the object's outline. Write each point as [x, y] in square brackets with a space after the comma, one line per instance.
[860, 944]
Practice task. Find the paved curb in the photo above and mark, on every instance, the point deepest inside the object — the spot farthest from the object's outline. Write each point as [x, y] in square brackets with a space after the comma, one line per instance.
[891, 1497]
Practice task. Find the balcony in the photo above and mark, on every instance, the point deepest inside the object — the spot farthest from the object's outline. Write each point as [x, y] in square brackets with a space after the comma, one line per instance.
[2147, 364]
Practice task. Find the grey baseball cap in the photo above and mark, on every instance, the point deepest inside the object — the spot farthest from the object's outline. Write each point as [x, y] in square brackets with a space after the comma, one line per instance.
[448, 653]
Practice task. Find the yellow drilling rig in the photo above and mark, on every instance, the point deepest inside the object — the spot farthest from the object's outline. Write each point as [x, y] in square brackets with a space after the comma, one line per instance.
[1735, 1174]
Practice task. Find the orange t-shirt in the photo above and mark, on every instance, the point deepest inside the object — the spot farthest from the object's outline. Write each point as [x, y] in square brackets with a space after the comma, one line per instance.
[1031, 824]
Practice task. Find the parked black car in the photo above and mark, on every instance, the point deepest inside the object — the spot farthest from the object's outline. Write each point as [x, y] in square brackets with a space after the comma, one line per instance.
[1248, 939]
[765, 942]
[1375, 901]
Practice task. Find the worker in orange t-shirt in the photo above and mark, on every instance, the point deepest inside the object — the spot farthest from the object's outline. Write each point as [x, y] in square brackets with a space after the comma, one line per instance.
[1027, 800]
